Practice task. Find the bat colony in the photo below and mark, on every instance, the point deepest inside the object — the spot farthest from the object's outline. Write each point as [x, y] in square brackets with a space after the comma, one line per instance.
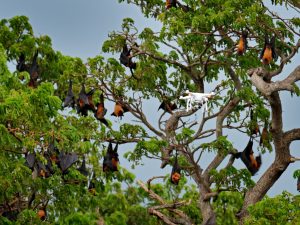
[84, 104]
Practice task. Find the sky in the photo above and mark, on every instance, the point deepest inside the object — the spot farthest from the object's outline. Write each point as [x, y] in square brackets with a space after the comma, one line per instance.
[79, 27]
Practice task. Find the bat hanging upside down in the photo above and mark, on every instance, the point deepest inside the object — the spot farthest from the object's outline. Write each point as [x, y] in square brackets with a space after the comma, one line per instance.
[247, 156]
[268, 53]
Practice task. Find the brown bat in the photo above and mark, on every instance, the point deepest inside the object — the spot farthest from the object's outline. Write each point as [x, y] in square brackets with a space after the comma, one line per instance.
[101, 111]
[111, 159]
[268, 53]
[264, 138]
[254, 128]
[176, 172]
[242, 43]
[247, 156]
[119, 110]
[171, 3]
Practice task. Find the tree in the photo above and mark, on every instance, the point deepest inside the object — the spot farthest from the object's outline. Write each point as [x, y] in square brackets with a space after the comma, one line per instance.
[195, 49]
[199, 42]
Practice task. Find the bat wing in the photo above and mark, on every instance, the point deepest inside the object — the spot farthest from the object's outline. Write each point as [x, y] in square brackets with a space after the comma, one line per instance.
[248, 150]
[82, 169]
[104, 121]
[274, 54]
[30, 160]
[67, 160]
[34, 67]
[162, 106]
[21, 63]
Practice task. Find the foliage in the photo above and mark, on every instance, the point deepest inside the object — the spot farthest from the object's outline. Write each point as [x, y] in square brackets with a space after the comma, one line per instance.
[193, 50]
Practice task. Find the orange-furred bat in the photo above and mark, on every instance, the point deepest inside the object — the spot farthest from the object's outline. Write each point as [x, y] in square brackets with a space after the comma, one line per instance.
[242, 43]
[171, 3]
[167, 106]
[176, 172]
[111, 159]
[264, 138]
[119, 110]
[268, 53]
[42, 214]
[254, 128]
[247, 156]
[101, 111]
[33, 71]
[70, 98]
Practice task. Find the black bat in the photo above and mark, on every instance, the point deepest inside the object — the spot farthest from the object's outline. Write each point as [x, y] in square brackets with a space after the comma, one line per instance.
[101, 111]
[82, 169]
[66, 160]
[167, 106]
[82, 102]
[126, 59]
[70, 98]
[92, 185]
[111, 159]
[176, 172]
[298, 184]
[268, 53]
[33, 71]
[21, 66]
[90, 105]
[247, 156]
[30, 160]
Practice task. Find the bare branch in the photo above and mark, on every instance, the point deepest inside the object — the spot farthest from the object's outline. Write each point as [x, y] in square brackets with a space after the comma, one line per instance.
[268, 88]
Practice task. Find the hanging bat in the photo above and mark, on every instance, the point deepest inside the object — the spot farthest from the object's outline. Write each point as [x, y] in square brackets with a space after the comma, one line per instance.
[30, 160]
[167, 106]
[268, 53]
[247, 156]
[119, 110]
[66, 160]
[126, 59]
[101, 111]
[70, 98]
[92, 185]
[33, 71]
[48, 166]
[21, 66]
[185, 8]
[42, 214]
[264, 138]
[171, 3]
[176, 172]
[82, 169]
[82, 102]
[242, 43]
[90, 105]
[298, 184]
[254, 128]
[111, 159]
